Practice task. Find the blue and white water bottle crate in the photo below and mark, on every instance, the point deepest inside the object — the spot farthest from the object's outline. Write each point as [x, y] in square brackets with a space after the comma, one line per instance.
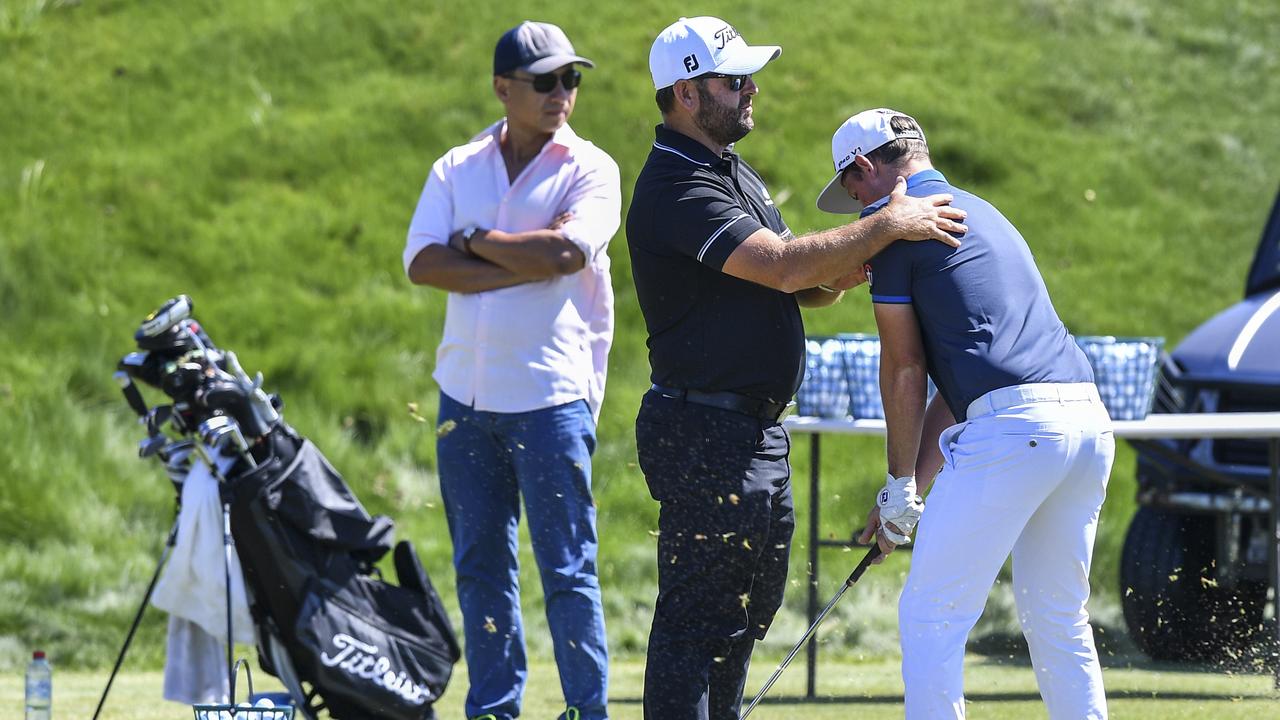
[1124, 368]
[842, 375]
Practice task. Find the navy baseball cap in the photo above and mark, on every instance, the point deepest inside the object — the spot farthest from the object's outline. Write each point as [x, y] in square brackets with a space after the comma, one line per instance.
[534, 47]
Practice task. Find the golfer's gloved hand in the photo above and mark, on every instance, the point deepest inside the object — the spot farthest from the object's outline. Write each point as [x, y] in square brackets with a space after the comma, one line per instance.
[900, 505]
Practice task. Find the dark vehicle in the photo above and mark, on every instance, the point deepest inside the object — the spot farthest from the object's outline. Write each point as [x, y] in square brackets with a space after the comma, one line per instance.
[1194, 570]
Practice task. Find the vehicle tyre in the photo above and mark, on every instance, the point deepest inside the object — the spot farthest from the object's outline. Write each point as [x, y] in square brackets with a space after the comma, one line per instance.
[1172, 606]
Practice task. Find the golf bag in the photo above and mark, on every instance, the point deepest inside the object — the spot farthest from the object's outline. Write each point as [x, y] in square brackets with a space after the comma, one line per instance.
[343, 640]
[333, 630]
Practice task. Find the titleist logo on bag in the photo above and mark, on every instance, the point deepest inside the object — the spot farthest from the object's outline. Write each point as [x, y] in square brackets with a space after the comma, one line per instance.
[361, 660]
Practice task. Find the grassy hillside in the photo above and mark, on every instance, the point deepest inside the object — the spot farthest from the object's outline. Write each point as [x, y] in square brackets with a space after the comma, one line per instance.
[265, 157]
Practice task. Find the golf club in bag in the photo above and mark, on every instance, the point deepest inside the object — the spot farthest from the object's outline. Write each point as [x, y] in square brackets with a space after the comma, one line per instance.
[343, 641]
[865, 563]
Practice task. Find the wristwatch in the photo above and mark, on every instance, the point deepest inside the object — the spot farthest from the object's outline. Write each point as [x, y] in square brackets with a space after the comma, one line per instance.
[468, 233]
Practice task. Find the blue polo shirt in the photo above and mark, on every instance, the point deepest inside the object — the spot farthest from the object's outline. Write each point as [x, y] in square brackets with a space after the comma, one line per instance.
[984, 312]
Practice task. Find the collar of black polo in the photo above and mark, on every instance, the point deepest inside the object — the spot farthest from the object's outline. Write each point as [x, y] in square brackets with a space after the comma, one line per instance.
[681, 145]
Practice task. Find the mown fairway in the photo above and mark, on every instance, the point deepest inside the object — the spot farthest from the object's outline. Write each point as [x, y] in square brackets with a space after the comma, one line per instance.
[265, 158]
[866, 689]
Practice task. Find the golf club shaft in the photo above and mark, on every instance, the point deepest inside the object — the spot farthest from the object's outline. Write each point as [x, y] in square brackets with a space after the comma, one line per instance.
[226, 576]
[871, 555]
[794, 651]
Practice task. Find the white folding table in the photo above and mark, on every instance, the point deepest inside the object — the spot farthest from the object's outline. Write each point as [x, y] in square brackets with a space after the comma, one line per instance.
[1264, 426]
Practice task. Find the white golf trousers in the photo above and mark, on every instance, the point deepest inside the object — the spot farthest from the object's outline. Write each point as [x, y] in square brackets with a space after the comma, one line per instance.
[1027, 474]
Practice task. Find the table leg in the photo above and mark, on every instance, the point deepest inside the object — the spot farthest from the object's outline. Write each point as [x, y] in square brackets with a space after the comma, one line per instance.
[811, 657]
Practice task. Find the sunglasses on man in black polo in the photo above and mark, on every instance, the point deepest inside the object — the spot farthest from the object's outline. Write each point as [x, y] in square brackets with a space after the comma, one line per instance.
[735, 81]
[546, 82]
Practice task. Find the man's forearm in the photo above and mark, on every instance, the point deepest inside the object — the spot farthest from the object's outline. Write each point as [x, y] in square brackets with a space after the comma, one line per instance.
[903, 389]
[540, 253]
[937, 417]
[443, 267]
[821, 257]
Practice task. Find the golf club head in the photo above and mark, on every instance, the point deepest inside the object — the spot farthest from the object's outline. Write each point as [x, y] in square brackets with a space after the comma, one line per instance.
[223, 394]
[233, 367]
[172, 312]
[131, 394]
[250, 407]
[220, 443]
[181, 381]
[241, 446]
[223, 434]
[151, 445]
[185, 418]
[177, 456]
[134, 362]
[177, 452]
[146, 367]
[157, 418]
[181, 339]
[214, 430]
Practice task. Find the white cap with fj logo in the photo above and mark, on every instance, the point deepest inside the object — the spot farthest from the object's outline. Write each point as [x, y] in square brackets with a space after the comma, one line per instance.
[859, 135]
[691, 47]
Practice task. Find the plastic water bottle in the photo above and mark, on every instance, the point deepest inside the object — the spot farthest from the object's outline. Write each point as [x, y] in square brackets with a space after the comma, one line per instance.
[39, 687]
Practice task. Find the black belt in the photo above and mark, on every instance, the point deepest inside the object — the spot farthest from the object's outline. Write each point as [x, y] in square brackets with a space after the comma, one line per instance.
[731, 401]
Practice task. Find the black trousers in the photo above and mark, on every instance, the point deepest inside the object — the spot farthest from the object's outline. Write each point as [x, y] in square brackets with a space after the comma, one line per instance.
[725, 528]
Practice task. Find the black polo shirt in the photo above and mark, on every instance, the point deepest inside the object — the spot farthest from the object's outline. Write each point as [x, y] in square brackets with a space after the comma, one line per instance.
[708, 330]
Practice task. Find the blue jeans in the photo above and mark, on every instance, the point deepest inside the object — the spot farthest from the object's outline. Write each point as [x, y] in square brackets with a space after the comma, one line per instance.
[487, 461]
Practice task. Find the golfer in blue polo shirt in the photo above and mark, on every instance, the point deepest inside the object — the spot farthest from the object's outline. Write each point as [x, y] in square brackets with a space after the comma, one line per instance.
[1024, 471]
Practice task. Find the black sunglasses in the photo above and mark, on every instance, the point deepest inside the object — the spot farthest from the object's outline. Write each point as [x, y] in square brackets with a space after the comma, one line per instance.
[735, 81]
[546, 82]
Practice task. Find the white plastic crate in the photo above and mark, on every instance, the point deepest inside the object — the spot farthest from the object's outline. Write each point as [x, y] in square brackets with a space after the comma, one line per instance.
[1124, 368]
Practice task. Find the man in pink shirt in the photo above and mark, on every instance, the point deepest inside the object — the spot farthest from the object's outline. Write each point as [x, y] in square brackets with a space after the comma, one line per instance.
[514, 225]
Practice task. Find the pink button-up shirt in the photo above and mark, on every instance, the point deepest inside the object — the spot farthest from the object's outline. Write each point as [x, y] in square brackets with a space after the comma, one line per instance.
[543, 343]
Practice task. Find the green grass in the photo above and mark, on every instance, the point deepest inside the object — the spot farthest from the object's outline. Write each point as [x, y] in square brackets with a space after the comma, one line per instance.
[265, 158]
[870, 688]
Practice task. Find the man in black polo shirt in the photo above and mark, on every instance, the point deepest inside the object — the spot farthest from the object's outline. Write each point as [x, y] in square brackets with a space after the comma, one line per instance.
[720, 279]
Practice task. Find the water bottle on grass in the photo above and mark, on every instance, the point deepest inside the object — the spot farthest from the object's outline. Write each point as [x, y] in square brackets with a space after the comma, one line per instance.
[39, 687]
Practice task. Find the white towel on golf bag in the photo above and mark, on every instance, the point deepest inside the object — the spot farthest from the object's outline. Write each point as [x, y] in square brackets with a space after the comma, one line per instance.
[193, 586]
[195, 665]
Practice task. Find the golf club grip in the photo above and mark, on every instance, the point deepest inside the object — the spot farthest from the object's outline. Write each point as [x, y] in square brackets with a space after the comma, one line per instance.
[865, 563]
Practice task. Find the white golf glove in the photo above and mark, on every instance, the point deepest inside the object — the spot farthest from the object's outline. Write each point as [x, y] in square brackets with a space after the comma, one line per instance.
[899, 504]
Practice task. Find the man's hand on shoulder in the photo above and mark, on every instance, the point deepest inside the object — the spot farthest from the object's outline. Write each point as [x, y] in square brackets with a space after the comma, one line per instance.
[925, 218]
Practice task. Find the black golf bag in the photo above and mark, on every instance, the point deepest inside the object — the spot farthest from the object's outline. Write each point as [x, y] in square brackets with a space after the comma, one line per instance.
[340, 637]
[343, 640]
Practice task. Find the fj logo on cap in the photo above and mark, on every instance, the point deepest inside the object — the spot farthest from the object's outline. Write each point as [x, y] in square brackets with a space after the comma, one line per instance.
[691, 63]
